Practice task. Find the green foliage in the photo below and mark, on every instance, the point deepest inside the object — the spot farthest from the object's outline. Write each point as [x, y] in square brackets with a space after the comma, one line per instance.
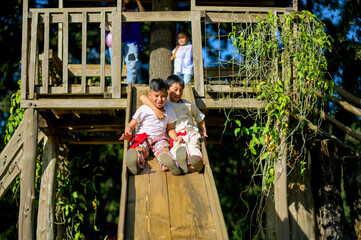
[16, 114]
[283, 61]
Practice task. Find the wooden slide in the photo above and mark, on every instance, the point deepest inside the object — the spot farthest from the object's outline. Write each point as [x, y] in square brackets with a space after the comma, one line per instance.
[157, 205]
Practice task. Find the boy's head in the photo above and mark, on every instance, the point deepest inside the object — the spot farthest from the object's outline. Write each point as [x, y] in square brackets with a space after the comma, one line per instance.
[158, 92]
[176, 86]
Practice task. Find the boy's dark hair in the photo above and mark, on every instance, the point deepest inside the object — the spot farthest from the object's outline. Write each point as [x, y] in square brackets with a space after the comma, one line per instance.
[185, 33]
[175, 79]
[158, 84]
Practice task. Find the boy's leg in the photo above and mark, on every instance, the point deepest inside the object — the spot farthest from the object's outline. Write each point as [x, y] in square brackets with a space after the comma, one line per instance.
[161, 152]
[196, 157]
[187, 78]
[136, 157]
[131, 60]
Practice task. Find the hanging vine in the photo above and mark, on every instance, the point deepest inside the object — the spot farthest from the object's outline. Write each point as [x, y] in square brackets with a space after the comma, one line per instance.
[282, 60]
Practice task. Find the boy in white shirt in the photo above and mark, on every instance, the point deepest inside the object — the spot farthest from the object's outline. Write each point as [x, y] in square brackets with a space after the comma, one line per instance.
[186, 127]
[151, 132]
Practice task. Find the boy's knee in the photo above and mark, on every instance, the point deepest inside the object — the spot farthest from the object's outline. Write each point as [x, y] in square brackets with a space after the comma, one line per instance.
[131, 57]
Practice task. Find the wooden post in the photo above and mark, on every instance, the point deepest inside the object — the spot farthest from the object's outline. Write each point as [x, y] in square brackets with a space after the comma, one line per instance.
[60, 34]
[27, 177]
[24, 51]
[197, 52]
[45, 228]
[116, 53]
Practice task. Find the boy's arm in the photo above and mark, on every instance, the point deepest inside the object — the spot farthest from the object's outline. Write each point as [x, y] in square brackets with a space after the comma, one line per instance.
[172, 133]
[202, 125]
[145, 100]
[140, 6]
[128, 130]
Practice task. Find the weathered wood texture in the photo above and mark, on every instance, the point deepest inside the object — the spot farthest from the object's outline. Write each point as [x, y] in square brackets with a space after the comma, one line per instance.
[300, 204]
[46, 211]
[27, 178]
[197, 52]
[352, 186]
[124, 194]
[326, 187]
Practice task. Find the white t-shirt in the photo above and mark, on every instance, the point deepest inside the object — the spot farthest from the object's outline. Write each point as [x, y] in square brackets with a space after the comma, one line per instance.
[183, 61]
[185, 112]
[148, 123]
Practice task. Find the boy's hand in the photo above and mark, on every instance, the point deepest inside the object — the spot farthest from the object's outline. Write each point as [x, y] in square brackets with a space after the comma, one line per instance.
[178, 138]
[204, 137]
[126, 136]
[159, 113]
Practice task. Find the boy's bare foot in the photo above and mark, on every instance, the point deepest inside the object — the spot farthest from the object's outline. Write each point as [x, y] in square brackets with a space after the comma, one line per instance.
[181, 155]
[196, 162]
[131, 159]
[168, 162]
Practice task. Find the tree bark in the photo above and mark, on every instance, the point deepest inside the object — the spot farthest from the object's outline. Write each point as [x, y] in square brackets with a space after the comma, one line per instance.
[352, 185]
[162, 41]
[326, 185]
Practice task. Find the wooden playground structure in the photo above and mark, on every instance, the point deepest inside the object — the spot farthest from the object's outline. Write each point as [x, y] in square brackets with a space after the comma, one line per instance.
[63, 101]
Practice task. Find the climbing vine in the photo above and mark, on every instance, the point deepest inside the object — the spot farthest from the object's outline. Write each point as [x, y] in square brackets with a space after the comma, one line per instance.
[282, 60]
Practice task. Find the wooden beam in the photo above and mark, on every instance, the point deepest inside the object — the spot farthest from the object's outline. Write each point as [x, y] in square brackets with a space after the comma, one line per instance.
[340, 125]
[243, 9]
[27, 179]
[24, 50]
[230, 103]
[229, 89]
[45, 66]
[46, 212]
[116, 54]
[352, 98]
[65, 59]
[83, 52]
[123, 195]
[233, 17]
[33, 54]
[75, 103]
[197, 52]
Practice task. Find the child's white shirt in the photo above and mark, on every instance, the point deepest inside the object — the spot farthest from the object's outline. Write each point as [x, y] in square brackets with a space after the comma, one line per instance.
[183, 61]
[186, 112]
[148, 123]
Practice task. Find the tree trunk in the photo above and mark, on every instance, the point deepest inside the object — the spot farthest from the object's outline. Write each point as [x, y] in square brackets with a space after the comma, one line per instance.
[326, 186]
[352, 183]
[162, 41]
[301, 204]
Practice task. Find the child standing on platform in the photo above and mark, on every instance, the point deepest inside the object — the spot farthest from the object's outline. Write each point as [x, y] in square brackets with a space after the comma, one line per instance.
[131, 40]
[151, 132]
[186, 127]
[182, 55]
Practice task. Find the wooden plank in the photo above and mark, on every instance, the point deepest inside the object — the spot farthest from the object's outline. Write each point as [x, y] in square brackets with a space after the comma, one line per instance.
[65, 53]
[83, 52]
[45, 66]
[75, 70]
[123, 195]
[215, 17]
[116, 54]
[73, 89]
[24, 50]
[242, 9]
[189, 208]
[12, 148]
[350, 97]
[157, 16]
[13, 167]
[33, 51]
[27, 179]
[217, 215]
[158, 203]
[229, 89]
[239, 103]
[46, 212]
[136, 224]
[102, 52]
[76, 103]
[197, 52]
